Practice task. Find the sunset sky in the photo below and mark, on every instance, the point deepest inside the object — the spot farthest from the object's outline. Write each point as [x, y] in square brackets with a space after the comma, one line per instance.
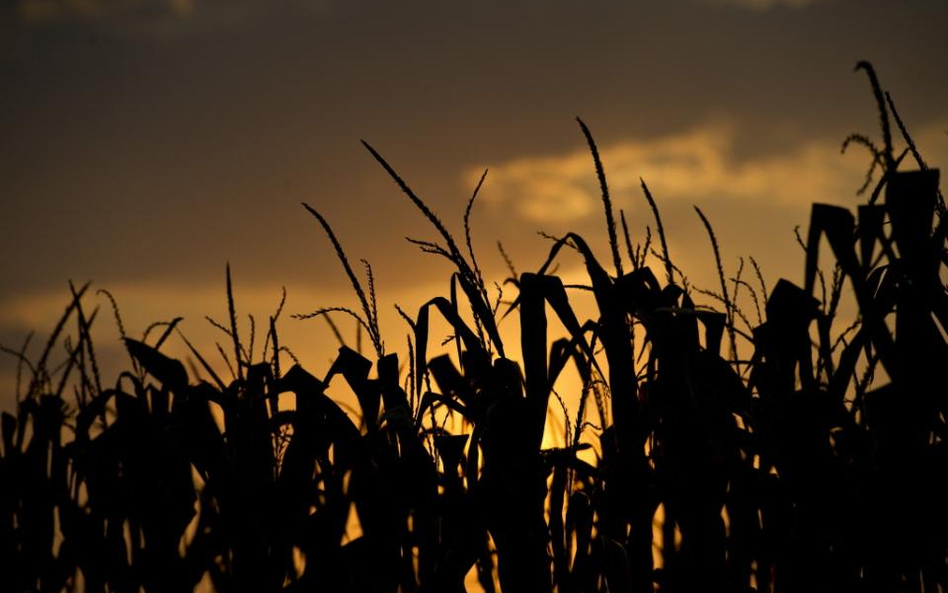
[146, 143]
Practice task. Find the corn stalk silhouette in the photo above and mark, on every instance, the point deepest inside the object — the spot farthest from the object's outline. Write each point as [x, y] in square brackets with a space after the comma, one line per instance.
[781, 455]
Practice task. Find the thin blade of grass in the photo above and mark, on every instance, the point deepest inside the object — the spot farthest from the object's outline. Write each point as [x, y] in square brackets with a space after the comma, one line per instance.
[606, 200]
[661, 232]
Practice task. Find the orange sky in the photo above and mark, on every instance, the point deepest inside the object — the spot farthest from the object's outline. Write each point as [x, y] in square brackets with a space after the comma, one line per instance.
[144, 143]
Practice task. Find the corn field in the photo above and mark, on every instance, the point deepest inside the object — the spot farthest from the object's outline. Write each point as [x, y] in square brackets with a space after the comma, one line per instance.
[760, 443]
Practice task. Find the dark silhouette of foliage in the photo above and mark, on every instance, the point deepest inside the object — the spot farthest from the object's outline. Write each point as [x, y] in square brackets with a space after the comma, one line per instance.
[815, 463]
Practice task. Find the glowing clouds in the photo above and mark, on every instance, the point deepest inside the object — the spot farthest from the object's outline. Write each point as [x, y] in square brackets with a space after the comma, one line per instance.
[695, 167]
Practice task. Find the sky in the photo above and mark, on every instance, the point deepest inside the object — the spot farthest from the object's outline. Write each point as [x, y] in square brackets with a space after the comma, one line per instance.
[145, 144]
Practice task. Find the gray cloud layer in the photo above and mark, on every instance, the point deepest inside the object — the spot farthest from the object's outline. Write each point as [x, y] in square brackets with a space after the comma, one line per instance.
[144, 15]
